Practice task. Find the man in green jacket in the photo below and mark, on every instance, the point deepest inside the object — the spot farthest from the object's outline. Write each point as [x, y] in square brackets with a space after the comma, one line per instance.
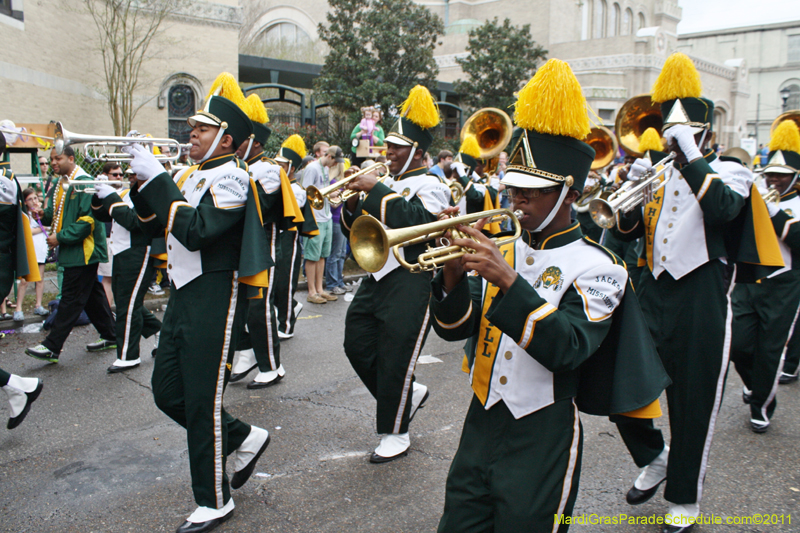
[82, 245]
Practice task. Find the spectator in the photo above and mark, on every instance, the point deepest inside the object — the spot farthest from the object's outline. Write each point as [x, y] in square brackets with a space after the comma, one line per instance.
[320, 149]
[442, 166]
[318, 248]
[335, 266]
[31, 200]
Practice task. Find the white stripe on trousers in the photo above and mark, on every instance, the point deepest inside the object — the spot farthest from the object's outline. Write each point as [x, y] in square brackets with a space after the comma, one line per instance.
[127, 339]
[289, 303]
[223, 361]
[573, 460]
[410, 372]
[774, 389]
[726, 354]
[268, 311]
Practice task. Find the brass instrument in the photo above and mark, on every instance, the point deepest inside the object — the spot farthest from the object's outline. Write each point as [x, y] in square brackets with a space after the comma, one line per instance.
[371, 243]
[633, 118]
[105, 144]
[317, 196]
[456, 190]
[581, 205]
[789, 115]
[772, 195]
[605, 146]
[492, 128]
[66, 183]
[630, 195]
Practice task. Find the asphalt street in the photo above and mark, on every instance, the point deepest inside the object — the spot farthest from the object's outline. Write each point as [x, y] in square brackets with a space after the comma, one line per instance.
[96, 455]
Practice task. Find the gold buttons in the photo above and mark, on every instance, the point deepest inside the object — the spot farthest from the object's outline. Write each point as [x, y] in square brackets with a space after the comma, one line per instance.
[676, 193]
[503, 380]
[665, 241]
[508, 355]
[169, 266]
[674, 209]
[529, 260]
[183, 193]
[670, 225]
[663, 257]
[170, 247]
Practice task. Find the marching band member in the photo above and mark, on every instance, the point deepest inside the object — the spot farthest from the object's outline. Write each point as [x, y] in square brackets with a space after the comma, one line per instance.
[287, 272]
[765, 313]
[685, 289]
[388, 320]
[132, 268]
[468, 170]
[537, 311]
[215, 241]
[81, 247]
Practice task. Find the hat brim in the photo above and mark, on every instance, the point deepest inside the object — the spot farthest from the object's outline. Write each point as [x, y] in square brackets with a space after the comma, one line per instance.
[395, 139]
[778, 169]
[201, 119]
[524, 180]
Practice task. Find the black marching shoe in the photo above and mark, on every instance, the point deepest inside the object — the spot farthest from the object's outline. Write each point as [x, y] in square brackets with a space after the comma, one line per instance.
[759, 426]
[636, 496]
[100, 345]
[114, 369]
[668, 528]
[787, 378]
[747, 395]
[240, 478]
[17, 420]
[201, 527]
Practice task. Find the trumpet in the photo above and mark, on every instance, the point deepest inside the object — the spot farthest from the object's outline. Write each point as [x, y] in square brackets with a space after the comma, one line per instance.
[317, 196]
[628, 197]
[371, 242]
[66, 183]
[772, 195]
[456, 190]
[105, 144]
[598, 190]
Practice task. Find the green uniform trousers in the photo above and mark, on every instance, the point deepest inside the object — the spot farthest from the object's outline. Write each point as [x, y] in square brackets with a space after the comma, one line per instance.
[763, 315]
[792, 353]
[261, 322]
[385, 328]
[690, 321]
[287, 272]
[133, 270]
[512, 476]
[197, 341]
[7, 268]
[4, 377]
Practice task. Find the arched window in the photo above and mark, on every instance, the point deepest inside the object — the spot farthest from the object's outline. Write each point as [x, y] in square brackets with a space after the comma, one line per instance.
[613, 21]
[641, 22]
[627, 20]
[599, 18]
[720, 122]
[793, 102]
[284, 40]
[180, 106]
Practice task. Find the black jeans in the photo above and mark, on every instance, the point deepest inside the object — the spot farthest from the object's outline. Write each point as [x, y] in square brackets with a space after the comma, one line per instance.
[80, 291]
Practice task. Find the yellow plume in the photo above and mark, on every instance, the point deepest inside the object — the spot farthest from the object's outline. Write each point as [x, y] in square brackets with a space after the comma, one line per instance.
[650, 140]
[470, 147]
[678, 79]
[296, 144]
[225, 85]
[786, 137]
[420, 108]
[552, 102]
[255, 109]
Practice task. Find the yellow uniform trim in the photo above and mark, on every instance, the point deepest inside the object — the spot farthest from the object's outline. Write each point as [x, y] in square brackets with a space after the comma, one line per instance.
[652, 410]
[30, 254]
[459, 321]
[769, 252]
[88, 242]
[706, 184]
[262, 278]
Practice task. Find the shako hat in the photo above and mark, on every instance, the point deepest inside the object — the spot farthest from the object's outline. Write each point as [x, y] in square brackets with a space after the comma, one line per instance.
[469, 153]
[678, 89]
[784, 149]
[547, 149]
[292, 151]
[224, 108]
[418, 115]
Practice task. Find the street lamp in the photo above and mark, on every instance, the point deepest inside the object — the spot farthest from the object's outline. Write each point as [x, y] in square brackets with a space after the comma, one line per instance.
[785, 93]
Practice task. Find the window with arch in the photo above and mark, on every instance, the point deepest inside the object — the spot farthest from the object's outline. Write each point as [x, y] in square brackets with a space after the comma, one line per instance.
[284, 40]
[793, 102]
[720, 121]
[641, 22]
[627, 21]
[600, 8]
[180, 106]
[613, 21]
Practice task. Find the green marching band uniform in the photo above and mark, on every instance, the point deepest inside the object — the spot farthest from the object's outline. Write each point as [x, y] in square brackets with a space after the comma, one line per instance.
[218, 255]
[388, 320]
[704, 218]
[567, 336]
[279, 210]
[133, 267]
[765, 313]
[17, 259]
[477, 196]
[287, 271]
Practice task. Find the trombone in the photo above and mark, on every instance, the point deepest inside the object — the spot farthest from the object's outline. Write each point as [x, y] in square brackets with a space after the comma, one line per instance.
[317, 196]
[627, 198]
[66, 183]
[371, 243]
[104, 143]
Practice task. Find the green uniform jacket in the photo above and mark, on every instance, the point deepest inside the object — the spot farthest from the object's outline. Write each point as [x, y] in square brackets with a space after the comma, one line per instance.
[81, 241]
[112, 208]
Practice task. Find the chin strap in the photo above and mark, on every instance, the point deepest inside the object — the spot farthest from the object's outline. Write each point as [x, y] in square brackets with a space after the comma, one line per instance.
[249, 147]
[408, 161]
[546, 221]
[702, 139]
[220, 133]
[794, 180]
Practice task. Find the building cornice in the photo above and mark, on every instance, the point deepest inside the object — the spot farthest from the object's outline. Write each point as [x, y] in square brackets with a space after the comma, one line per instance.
[741, 29]
[208, 13]
[634, 61]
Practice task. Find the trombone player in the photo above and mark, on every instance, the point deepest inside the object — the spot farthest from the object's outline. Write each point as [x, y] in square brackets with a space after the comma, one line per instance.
[388, 320]
[538, 309]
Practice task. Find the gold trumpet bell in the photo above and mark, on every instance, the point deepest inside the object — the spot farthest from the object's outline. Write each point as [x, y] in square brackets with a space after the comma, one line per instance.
[491, 127]
[316, 197]
[605, 146]
[633, 118]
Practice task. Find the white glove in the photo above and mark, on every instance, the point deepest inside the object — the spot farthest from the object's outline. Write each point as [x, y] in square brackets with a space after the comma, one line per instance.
[103, 190]
[144, 163]
[460, 168]
[683, 134]
[639, 168]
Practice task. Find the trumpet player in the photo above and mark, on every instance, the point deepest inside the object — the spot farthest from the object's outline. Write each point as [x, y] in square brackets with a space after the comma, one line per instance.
[685, 291]
[388, 320]
[765, 314]
[82, 246]
[537, 311]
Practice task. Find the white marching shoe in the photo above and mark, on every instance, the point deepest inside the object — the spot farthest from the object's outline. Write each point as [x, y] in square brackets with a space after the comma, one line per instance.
[21, 392]
[267, 379]
[243, 461]
[419, 395]
[649, 479]
[392, 446]
[205, 518]
[243, 363]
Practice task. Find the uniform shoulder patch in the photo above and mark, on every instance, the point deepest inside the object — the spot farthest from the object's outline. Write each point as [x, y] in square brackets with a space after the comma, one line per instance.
[551, 278]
